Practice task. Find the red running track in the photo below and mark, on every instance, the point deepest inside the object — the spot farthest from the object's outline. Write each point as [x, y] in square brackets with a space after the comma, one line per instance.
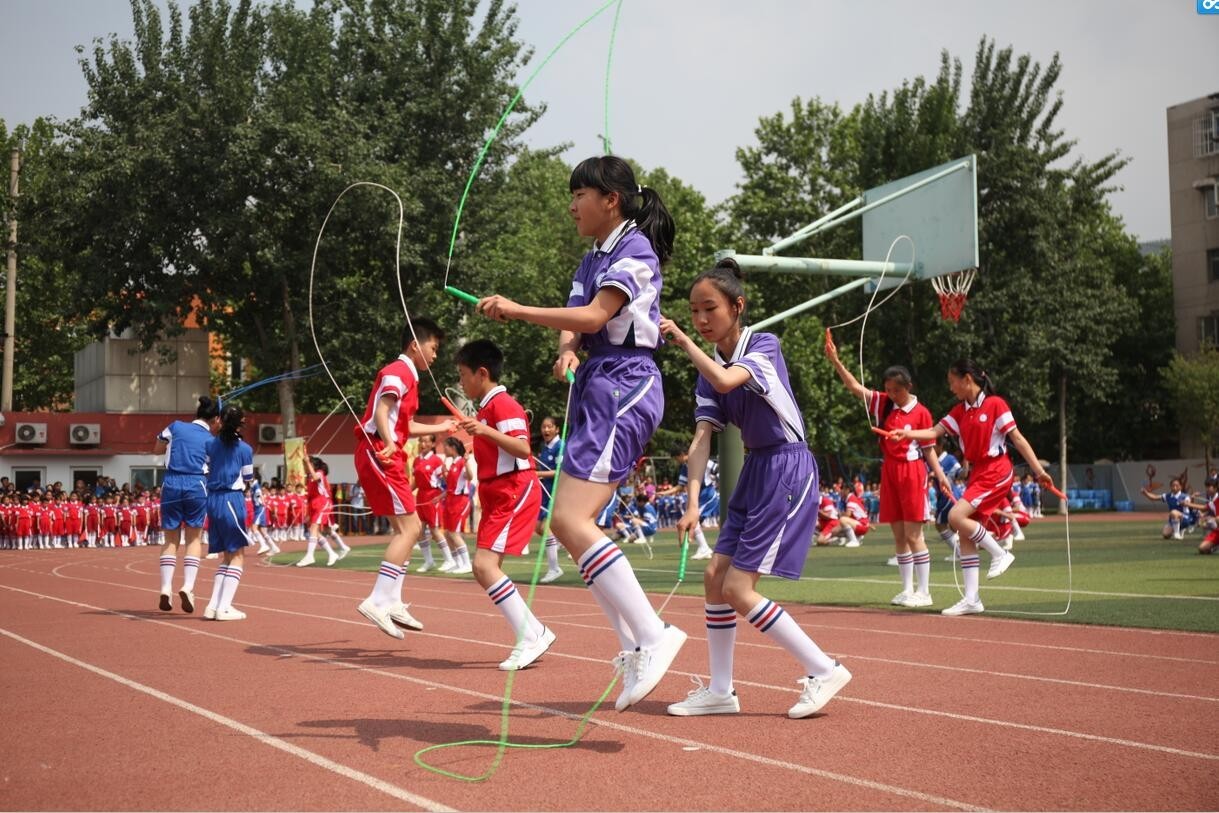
[306, 706]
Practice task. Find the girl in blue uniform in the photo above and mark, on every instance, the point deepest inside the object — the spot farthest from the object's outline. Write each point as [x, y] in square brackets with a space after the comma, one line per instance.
[184, 498]
[230, 462]
[547, 461]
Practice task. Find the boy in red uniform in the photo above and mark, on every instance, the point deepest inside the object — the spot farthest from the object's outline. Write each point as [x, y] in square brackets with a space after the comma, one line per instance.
[428, 472]
[381, 466]
[509, 491]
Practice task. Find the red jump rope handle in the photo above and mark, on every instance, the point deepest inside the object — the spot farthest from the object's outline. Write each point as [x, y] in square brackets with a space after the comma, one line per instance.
[456, 413]
[884, 433]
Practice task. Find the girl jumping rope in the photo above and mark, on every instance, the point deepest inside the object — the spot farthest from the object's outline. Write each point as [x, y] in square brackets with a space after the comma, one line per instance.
[773, 510]
[613, 314]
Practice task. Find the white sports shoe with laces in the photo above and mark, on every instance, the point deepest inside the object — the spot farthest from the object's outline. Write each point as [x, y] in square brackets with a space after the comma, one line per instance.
[624, 667]
[525, 654]
[819, 691]
[702, 700]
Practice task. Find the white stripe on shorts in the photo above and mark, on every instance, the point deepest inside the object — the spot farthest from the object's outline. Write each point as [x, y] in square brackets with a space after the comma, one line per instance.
[501, 541]
[768, 561]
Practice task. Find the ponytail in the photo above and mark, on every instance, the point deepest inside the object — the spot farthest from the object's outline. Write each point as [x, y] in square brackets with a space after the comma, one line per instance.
[609, 173]
[969, 367]
[208, 408]
[231, 419]
[729, 280]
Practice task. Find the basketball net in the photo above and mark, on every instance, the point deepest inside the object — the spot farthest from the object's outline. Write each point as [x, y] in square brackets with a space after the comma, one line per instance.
[953, 291]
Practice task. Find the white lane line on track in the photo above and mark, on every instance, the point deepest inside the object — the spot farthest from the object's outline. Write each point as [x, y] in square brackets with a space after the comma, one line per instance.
[926, 798]
[878, 704]
[312, 758]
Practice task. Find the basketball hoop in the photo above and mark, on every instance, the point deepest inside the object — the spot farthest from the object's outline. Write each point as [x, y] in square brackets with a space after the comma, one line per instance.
[953, 291]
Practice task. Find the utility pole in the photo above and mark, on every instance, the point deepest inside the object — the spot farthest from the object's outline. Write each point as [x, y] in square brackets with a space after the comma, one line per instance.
[10, 287]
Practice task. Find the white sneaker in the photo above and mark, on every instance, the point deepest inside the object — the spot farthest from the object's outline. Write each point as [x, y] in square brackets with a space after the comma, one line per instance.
[188, 600]
[950, 558]
[819, 691]
[331, 558]
[230, 614]
[551, 575]
[999, 566]
[425, 567]
[702, 700]
[917, 599]
[1008, 542]
[526, 654]
[525, 551]
[624, 666]
[702, 553]
[462, 570]
[217, 555]
[892, 561]
[964, 607]
[401, 616]
[652, 662]
[900, 598]
[209, 614]
[447, 566]
[380, 617]
[1178, 535]
[306, 560]
[342, 552]
[854, 543]
[167, 602]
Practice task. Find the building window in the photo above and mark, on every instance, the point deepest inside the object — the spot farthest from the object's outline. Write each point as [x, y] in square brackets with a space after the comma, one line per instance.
[1206, 134]
[1208, 330]
[1212, 265]
[27, 478]
[86, 476]
[143, 477]
[1210, 197]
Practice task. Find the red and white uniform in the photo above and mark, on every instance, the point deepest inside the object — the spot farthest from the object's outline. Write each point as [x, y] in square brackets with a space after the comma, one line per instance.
[25, 520]
[110, 518]
[428, 473]
[857, 511]
[1212, 505]
[903, 475]
[75, 523]
[43, 515]
[983, 427]
[93, 520]
[456, 494]
[320, 503]
[508, 486]
[827, 516]
[387, 490]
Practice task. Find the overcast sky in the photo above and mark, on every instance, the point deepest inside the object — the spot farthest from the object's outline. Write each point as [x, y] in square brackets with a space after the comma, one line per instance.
[690, 79]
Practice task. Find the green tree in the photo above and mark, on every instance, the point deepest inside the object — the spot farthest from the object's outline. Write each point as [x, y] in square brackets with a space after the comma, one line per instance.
[1193, 383]
[46, 338]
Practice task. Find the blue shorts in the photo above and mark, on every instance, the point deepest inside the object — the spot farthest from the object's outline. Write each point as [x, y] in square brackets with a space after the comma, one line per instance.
[260, 515]
[184, 502]
[772, 513]
[616, 404]
[942, 506]
[708, 502]
[544, 511]
[226, 531]
[605, 518]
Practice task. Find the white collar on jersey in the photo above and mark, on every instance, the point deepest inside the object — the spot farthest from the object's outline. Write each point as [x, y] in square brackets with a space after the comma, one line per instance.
[614, 236]
[911, 404]
[496, 390]
[202, 423]
[741, 346]
[404, 357]
[977, 403]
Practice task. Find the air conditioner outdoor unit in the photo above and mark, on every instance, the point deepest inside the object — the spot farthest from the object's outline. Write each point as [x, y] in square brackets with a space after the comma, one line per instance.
[271, 433]
[85, 434]
[31, 433]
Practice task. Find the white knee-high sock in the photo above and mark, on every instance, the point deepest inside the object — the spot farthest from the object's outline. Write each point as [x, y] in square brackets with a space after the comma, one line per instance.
[700, 537]
[983, 539]
[552, 552]
[168, 565]
[228, 589]
[190, 570]
[605, 565]
[385, 589]
[922, 570]
[969, 574]
[325, 543]
[339, 540]
[721, 639]
[524, 625]
[311, 546]
[426, 545]
[951, 539]
[217, 585]
[625, 639]
[770, 618]
[905, 569]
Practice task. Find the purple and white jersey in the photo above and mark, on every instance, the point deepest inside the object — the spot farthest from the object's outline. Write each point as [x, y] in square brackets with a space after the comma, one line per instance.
[627, 262]
[764, 407]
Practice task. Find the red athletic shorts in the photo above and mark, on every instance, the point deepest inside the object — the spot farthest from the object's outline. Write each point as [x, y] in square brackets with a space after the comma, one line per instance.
[387, 491]
[455, 509]
[903, 491]
[828, 527]
[862, 528]
[428, 510]
[510, 505]
[988, 491]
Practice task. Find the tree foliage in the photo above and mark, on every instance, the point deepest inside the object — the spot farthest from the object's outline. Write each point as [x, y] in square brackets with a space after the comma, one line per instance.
[1193, 383]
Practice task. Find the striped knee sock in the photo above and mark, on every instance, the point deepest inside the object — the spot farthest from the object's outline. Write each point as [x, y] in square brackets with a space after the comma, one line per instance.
[552, 552]
[524, 625]
[383, 590]
[969, 573]
[770, 619]
[721, 639]
[983, 539]
[232, 580]
[951, 539]
[168, 565]
[310, 546]
[221, 572]
[605, 565]
[922, 570]
[426, 544]
[905, 569]
[190, 570]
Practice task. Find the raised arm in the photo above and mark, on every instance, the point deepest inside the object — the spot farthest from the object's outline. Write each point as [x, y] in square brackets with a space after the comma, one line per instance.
[852, 384]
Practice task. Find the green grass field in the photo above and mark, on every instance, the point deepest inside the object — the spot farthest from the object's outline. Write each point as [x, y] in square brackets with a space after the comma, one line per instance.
[1124, 575]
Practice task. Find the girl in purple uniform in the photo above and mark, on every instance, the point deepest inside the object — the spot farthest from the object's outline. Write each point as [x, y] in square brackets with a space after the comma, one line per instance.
[773, 511]
[613, 315]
